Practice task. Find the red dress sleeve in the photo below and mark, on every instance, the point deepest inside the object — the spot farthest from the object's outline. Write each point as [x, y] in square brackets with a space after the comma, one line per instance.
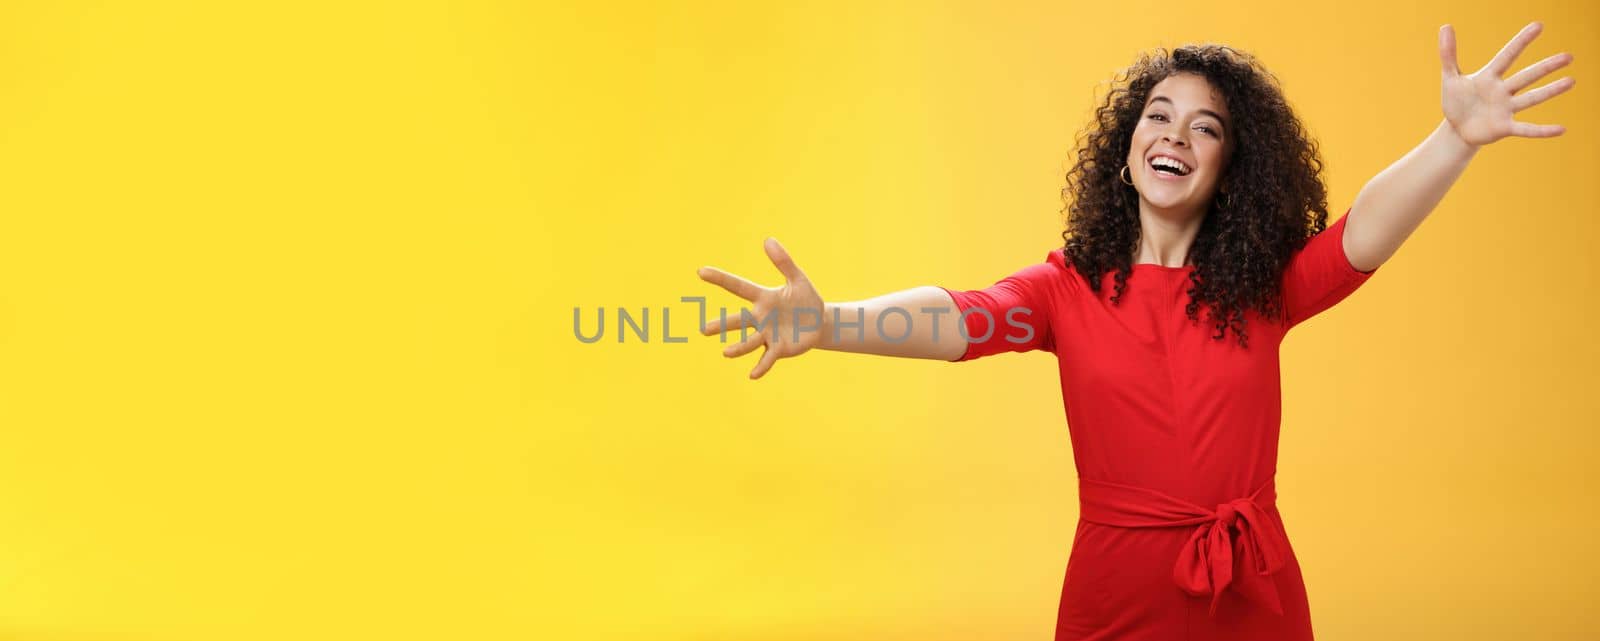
[1320, 275]
[1012, 315]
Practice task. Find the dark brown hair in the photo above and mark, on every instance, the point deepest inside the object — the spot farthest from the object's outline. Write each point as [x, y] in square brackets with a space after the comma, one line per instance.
[1272, 199]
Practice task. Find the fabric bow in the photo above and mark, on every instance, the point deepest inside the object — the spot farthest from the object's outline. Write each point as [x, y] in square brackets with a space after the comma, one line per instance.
[1239, 532]
[1205, 564]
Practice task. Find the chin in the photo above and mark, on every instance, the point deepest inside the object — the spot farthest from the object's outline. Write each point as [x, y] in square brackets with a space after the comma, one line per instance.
[1174, 204]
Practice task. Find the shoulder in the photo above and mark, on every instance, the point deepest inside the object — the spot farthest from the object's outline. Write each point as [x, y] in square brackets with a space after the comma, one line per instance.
[1323, 253]
[1055, 274]
[1063, 269]
[1055, 267]
[1319, 274]
[1058, 258]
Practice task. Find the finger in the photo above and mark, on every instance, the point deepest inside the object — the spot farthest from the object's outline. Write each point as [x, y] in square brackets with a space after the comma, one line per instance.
[1536, 71]
[1447, 50]
[1531, 98]
[768, 357]
[745, 346]
[1508, 54]
[782, 261]
[734, 284]
[724, 324]
[1528, 130]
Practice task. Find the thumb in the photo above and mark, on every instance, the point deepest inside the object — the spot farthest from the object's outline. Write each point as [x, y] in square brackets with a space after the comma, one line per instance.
[1447, 51]
[780, 259]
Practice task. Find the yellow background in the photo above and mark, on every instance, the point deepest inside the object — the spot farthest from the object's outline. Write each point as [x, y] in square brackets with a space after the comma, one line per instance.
[286, 346]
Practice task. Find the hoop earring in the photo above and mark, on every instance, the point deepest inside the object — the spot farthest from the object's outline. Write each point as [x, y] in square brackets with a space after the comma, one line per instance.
[1126, 178]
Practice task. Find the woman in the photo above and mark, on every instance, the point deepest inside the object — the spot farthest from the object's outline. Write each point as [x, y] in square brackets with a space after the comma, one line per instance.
[1195, 190]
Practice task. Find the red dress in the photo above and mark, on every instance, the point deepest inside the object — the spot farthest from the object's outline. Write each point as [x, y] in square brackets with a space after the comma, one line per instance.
[1175, 440]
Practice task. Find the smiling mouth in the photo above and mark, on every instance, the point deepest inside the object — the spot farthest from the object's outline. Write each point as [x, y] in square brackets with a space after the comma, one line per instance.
[1169, 167]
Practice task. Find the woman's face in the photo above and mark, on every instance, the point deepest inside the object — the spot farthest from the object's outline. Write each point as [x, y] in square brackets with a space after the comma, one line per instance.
[1184, 119]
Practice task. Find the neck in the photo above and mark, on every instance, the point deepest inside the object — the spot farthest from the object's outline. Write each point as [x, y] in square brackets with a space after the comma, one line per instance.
[1165, 236]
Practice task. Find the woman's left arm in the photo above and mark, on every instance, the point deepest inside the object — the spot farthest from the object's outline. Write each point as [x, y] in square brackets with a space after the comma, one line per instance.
[1478, 110]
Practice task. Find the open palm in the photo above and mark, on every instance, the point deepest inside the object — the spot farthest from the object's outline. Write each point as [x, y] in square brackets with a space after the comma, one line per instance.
[788, 319]
[1480, 106]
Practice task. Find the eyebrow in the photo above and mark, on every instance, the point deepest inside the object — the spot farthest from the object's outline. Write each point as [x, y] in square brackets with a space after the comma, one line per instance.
[1222, 121]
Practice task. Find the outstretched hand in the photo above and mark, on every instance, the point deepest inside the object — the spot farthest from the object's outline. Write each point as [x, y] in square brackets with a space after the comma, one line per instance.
[1479, 106]
[788, 320]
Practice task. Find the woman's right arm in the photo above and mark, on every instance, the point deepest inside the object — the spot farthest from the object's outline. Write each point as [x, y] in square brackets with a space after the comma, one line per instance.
[921, 322]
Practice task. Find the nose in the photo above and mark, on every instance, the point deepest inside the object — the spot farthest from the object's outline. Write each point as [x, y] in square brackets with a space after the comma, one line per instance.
[1174, 139]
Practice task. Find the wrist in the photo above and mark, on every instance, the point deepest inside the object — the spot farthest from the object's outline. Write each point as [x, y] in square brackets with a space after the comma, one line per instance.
[1448, 131]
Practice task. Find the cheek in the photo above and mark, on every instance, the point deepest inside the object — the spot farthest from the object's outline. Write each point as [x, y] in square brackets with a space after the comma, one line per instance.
[1141, 140]
[1213, 155]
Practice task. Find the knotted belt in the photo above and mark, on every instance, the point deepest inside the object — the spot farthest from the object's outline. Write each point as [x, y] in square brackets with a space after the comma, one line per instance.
[1205, 565]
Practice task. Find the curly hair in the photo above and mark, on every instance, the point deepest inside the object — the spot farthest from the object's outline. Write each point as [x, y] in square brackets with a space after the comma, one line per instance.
[1274, 198]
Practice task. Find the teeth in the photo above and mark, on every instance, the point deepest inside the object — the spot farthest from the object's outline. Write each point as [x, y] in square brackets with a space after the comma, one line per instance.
[1163, 161]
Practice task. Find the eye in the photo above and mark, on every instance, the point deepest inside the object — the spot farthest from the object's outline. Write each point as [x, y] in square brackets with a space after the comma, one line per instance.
[1161, 116]
[1208, 130]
